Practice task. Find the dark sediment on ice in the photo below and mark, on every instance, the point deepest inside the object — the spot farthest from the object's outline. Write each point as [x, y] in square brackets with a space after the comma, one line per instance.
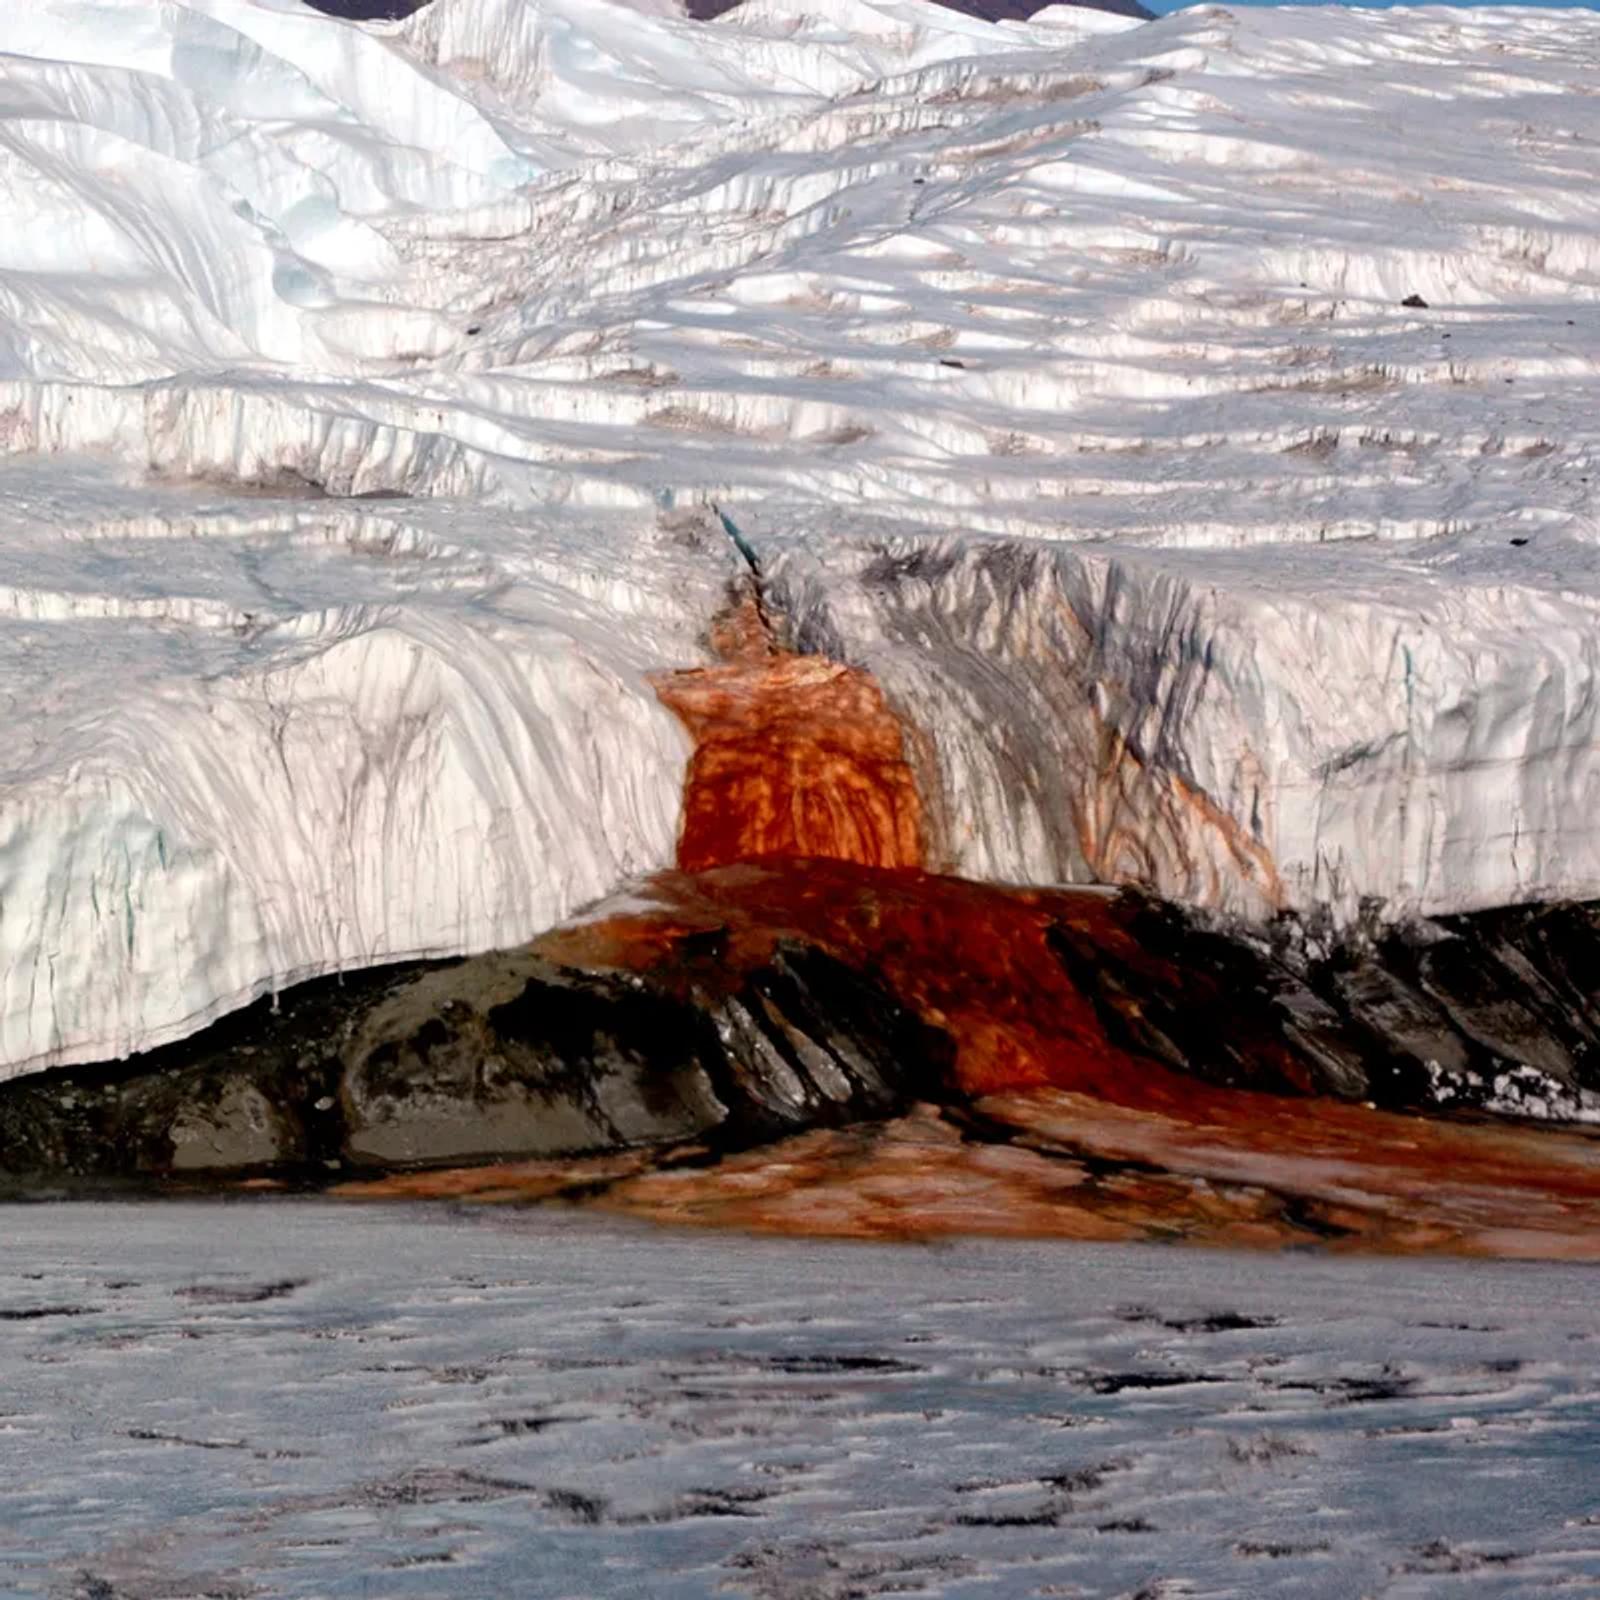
[367, 10]
[707, 10]
[987, 10]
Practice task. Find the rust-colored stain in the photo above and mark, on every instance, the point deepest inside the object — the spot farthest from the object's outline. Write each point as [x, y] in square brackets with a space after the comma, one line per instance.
[1071, 1170]
[802, 822]
[1055, 1165]
[1191, 1160]
[1147, 826]
[969, 958]
[794, 756]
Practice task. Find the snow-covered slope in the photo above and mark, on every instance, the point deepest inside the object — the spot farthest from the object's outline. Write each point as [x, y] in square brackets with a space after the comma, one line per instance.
[1059, 372]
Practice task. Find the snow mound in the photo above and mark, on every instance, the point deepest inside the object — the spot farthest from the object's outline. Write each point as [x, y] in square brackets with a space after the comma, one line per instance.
[1194, 425]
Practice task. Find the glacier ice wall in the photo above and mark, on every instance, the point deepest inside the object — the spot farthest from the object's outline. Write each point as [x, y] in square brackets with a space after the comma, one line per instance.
[1194, 425]
[1241, 738]
[258, 741]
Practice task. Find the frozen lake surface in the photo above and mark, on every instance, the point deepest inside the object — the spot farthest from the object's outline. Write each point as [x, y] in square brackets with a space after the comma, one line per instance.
[305, 1398]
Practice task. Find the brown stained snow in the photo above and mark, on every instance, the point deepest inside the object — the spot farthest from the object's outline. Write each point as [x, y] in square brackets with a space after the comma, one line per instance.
[1050, 1165]
[1130, 814]
[802, 824]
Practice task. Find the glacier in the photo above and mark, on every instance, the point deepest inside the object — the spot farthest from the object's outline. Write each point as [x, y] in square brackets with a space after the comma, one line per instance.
[1192, 426]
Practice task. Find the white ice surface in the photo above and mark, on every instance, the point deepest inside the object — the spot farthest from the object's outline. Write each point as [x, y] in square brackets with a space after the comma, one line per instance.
[256, 740]
[1057, 371]
[313, 1401]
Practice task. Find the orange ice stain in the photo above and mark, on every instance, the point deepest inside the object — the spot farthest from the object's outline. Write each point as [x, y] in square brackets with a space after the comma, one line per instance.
[973, 959]
[1080, 1169]
[794, 756]
[969, 958]
[1213, 1163]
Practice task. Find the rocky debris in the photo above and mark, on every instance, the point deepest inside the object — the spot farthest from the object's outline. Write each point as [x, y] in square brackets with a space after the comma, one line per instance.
[709, 10]
[1496, 1011]
[516, 1056]
[721, 1010]
[497, 1055]
[367, 10]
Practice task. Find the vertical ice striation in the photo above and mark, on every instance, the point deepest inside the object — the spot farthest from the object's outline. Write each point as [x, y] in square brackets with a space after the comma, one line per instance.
[1239, 735]
[271, 744]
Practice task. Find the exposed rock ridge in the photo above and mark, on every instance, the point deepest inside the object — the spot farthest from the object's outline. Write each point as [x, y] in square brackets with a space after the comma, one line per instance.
[724, 1009]
[506, 1054]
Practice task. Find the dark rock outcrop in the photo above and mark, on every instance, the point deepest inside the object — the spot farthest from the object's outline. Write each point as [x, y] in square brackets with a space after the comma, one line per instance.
[367, 10]
[987, 10]
[706, 10]
[1495, 1011]
[503, 1054]
[738, 1006]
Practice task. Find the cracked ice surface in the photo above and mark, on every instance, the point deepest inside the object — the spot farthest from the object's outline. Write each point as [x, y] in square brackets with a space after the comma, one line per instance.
[1058, 372]
[319, 1399]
